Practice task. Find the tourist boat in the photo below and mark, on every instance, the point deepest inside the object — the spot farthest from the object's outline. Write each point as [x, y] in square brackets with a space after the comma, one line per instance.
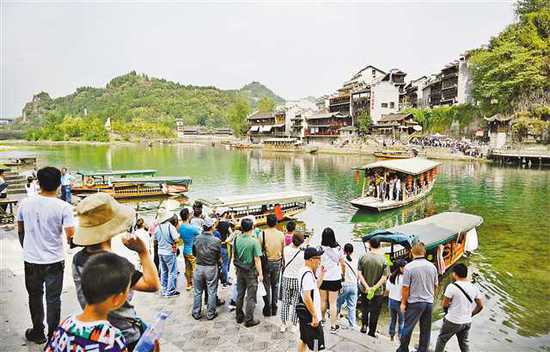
[20, 161]
[120, 186]
[288, 145]
[447, 237]
[393, 154]
[283, 204]
[417, 177]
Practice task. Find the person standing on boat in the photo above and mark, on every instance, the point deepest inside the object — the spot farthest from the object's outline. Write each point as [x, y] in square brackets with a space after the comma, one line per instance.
[272, 242]
[188, 233]
[372, 273]
[333, 261]
[166, 236]
[246, 254]
[397, 188]
[462, 301]
[67, 181]
[391, 186]
[417, 297]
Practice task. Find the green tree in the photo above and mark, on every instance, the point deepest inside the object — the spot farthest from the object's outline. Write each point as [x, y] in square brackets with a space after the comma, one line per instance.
[238, 112]
[364, 121]
[524, 7]
[266, 104]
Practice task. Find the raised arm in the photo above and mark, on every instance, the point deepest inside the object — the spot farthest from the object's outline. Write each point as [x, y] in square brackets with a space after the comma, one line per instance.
[149, 282]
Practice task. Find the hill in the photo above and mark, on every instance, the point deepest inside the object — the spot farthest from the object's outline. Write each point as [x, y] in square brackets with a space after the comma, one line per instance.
[136, 97]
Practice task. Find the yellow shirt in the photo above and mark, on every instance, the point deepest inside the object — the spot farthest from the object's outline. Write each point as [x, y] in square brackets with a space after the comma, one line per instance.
[274, 243]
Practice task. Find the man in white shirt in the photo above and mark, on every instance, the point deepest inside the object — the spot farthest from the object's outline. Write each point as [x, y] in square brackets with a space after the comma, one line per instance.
[67, 181]
[311, 331]
[463, 301]
[41, 221]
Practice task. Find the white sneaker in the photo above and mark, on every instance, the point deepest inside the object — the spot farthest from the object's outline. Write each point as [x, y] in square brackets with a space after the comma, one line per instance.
[283, 328]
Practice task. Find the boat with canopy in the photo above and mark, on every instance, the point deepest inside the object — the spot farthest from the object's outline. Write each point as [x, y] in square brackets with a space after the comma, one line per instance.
[393, 154]
[283, 204]
[390, 184]
[289, 145]
[124, 184]
[446, 236]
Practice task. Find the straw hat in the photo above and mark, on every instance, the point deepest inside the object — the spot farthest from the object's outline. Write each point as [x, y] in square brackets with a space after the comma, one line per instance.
[100, 218]
[165, 215]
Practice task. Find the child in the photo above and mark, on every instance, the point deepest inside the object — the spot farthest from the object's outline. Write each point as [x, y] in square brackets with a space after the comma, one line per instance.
[106, 279]
[393, 288]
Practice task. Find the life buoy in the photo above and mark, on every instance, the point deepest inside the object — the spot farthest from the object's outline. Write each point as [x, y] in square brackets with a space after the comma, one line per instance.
[89, 181]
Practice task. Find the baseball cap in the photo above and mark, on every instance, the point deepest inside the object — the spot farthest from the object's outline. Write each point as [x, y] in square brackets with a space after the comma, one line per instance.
[311, 252]
[208, 222]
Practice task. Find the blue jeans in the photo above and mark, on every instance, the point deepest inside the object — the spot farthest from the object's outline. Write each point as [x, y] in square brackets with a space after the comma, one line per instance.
[417, 312]
[225, 265]
[66, 194]
[396, 317]
[348, 296]
[168, 273]
[205, 278]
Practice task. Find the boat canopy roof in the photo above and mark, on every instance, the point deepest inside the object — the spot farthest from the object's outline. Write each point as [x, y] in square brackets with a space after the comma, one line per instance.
[412, 166]
[432, 231]
[280, 140]
[258, 199]
[116, 173]
[169, 180]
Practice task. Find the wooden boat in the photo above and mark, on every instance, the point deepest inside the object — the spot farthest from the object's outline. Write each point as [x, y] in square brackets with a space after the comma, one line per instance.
[20, 161]
[120, 186]
[260, 205]
[393, 154]
[411, 172]
[288, 145]
[447, 236]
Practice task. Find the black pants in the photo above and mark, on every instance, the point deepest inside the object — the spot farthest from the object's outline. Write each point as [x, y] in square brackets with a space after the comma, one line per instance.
[271, 284]
[370, 311]
[38, 276]
[247, 283]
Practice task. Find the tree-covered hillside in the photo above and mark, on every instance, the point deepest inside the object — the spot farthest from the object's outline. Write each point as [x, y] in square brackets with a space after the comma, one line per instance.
[136, 99]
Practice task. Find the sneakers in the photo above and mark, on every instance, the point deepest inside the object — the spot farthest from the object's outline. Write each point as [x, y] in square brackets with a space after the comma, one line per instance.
[32, 336]
[172, 294]
[283, 328]
[334, 328]
[232, 305]
[189, 287]
[363, 329]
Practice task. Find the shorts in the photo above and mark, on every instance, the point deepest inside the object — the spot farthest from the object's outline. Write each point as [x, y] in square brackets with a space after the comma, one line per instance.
[333, 286]
[309, 334]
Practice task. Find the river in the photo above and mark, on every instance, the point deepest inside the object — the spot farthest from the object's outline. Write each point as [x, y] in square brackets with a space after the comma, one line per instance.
[511, 266]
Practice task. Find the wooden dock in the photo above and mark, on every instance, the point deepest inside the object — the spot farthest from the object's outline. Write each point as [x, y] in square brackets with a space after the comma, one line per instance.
[528, 157]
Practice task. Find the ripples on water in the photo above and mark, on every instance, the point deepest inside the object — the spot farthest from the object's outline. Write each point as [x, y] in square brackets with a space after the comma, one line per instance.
[511, 265]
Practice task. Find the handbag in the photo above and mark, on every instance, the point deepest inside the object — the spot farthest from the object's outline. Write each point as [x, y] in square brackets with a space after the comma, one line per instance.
[301, 310]
[263, 257]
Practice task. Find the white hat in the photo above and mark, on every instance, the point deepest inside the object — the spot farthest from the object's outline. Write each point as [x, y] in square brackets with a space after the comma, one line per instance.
[101, 217]
[164, 216]
[208, 222]
[222, 210]
[251, 217]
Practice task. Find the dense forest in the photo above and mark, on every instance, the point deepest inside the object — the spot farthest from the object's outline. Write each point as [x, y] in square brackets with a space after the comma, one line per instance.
[138, 106]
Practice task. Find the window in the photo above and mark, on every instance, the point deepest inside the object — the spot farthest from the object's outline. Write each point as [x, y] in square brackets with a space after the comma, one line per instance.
[392, 105]
[373, 72]
[384, 105]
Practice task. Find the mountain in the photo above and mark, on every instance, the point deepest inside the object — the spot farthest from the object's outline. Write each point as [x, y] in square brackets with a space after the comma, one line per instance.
[138, 96]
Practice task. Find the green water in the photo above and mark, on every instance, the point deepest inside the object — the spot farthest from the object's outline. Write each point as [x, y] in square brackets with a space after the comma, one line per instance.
[511, 265]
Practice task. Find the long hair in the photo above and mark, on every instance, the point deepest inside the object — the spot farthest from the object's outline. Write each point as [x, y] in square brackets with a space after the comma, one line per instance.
[395, 270]
[348, 249]
[328, 238]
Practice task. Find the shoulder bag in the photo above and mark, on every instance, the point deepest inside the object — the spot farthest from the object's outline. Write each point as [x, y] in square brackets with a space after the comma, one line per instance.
[446, 310]
[301, 309]
[280, 294]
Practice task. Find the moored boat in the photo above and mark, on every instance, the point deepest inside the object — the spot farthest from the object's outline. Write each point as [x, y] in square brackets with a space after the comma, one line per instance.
[393, 154]
[446, 236]
[412, 179]
[288, 145]
[283, 204]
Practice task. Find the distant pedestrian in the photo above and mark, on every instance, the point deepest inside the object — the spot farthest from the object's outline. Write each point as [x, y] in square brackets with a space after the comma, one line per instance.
[67, 181]
[188, 233]
[333, 261]
[348, 295]
[419, 284]
[166, 236]
[31, 187]
[290, 287]
[207, 251]
[394, 286]
[246, 254]
[311, 329]
[41, 222]
[101, 218]
[372, 272]
[462, 300]
[106, 279]
[272, 242]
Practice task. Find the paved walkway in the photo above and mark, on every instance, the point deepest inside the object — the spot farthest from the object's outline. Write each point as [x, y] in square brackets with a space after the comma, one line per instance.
[183, 333]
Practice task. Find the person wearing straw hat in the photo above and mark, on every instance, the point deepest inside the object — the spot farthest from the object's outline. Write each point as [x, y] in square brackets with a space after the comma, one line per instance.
[166, 236]
[101, 218]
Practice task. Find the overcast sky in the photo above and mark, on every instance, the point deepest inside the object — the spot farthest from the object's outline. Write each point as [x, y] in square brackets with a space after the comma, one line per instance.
[295, 48]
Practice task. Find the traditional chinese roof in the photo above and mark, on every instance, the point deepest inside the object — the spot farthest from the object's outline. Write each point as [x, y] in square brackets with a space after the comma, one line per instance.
[498, 117]
[394, 117]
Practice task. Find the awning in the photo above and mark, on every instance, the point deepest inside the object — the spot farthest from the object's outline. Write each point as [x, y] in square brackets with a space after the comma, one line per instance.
[254, 128]
[417, 128]
[266, 128]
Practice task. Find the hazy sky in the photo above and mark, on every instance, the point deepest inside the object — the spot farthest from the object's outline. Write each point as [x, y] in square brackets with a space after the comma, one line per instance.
[295, 48]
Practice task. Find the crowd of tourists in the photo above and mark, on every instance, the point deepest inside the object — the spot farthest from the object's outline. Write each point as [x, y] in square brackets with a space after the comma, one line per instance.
[456, 146]
[393, 187]
[307, 287]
